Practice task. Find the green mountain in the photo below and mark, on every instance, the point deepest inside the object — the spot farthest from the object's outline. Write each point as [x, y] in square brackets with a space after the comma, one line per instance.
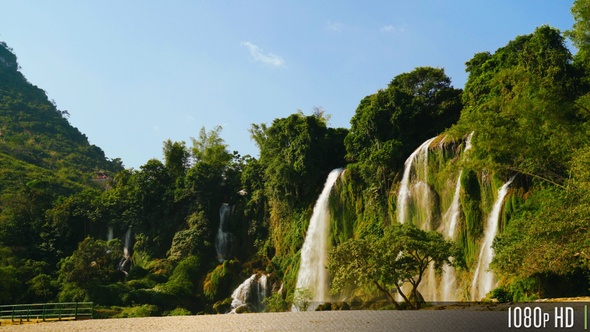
[43, 160]
[36, 133]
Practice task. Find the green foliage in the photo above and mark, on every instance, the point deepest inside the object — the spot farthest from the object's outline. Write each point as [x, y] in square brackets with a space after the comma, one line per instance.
[9, 284]
[471, 199]
[355, 211]
[275, 303]
[302, 299]
[390, 124]
[401, 255]
[184, 279]
[178, 312]
[297, 153]
[94, 262]
[191, 241]
[176, 157]
[520, 290]
[34, 131]
[580, 32]
[210, 148]
[218, 283]
[520, 101]
[43, 286]
[550, 218]
[144, 310]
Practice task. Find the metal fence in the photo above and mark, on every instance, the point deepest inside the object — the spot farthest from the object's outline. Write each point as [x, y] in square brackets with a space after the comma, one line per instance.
[20, 313]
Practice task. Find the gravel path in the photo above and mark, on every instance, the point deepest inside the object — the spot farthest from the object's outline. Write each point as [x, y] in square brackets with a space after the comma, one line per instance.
[426, 320]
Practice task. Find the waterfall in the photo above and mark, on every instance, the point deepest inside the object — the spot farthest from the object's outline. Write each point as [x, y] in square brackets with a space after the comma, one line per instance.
[415, 191]
[451, 221]
[404, 194]
[110, 233]
[262, 288]
[250, 294]
[313, 274]
[224, 237]
[483, 279]
[468, 141]
[125, 263]
[415, 203]
[451, 217]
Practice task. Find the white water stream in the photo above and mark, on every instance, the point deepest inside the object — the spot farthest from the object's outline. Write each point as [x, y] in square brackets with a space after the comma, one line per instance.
[483, 279]
[313, 274]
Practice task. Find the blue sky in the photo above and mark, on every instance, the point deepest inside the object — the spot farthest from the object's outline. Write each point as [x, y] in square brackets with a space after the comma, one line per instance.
[133, 74]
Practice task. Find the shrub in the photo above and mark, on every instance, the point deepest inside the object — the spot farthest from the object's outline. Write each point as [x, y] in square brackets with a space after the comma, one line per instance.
[145, 310]
[179, 312]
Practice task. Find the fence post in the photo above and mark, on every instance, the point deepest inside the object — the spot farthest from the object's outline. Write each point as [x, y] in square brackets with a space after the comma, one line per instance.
[76, 312]
[43, 312]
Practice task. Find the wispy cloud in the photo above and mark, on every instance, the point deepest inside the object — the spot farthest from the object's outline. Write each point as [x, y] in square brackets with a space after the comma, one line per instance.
[258, 55]
[335, 26]
[391, 29]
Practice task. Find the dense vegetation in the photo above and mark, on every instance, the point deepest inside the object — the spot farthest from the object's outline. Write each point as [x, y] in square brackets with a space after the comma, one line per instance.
[65, 208]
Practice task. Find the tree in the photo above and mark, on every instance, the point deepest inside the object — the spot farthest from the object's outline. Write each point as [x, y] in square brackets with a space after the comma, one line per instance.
[580, 32]
[297, 153]
[320, 113]
[176, 158]
[302, 299]
[390, 124]
[519, 101]
[401, 255]
[94, 262]
[552, 217]
[191, 241]
[211, 148]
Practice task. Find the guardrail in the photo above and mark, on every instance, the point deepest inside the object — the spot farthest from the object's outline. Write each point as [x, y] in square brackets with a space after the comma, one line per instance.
[47, 311]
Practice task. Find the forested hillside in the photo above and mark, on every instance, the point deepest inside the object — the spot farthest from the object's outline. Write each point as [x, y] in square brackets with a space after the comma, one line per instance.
[426, 167]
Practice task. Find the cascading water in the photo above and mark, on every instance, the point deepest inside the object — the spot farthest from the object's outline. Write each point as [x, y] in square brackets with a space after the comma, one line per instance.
[415, 204]
[414, 191]
[451, 223]
[313, 274]
[483, 279]
[405, 193]
[223, 240]
[251, 294]
[125, 263]
[110, 233]
[262, 288]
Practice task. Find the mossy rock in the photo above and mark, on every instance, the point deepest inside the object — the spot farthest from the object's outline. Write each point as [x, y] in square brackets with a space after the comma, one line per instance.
[356, 303]
[224, 306]
[244, 309]
[343, 306]
[324, 307]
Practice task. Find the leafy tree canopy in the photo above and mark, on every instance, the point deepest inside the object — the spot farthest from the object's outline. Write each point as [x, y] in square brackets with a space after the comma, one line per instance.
[401, 255]
[391, 123]
[521, 100]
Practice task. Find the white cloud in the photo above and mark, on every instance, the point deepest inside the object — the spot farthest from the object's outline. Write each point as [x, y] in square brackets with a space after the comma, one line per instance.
[258, 55]
[391, 29]
[335, 26]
